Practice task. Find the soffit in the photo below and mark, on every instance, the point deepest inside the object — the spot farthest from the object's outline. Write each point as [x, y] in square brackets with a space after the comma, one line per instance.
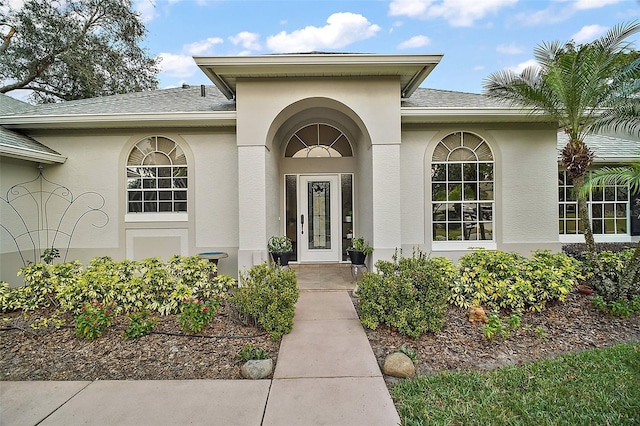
[224, 71]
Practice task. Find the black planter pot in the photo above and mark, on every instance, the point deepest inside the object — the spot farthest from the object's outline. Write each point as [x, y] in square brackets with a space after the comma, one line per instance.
[357, 257]
[281, 258]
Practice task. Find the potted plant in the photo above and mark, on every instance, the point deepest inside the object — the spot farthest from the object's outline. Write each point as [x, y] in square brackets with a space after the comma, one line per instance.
[358, 251]
[280, 248]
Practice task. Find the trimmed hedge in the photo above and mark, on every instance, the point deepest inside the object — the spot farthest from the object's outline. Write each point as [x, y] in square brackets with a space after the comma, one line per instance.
[409, 293]
[133, 286]
[268, 295]
[502, 280]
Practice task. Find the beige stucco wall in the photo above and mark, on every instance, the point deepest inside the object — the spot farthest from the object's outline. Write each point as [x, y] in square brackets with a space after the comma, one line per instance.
[267, 110]
[525, 190]
[96, 163]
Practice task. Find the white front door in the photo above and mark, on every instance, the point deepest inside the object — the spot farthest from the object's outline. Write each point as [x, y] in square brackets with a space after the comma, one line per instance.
[319, 215]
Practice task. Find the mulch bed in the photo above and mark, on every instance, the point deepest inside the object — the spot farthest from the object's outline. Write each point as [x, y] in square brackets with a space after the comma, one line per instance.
[50, 354]
[167, 354]
[573, 325]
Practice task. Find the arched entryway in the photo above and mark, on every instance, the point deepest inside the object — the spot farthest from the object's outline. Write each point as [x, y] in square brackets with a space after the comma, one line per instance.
[319, 171]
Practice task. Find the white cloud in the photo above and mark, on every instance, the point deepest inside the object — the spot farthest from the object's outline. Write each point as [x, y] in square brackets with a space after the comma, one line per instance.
[589, 33]
[561, 10]
[181, 66]
[410, 8]
[249, 41]
[146, 9]
[459, 13]
[509, 49]
[541, 17]
[478, 68]
[415, 42]
[526, 64]
[341, 30]
[592, 4]
[202, 46]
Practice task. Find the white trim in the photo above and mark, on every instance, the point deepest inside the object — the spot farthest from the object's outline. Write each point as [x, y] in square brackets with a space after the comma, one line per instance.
[463, 245]
[599, 238]
[31, 155]
[225, 71]
[137, 120]
[456, 114]
[156, 217]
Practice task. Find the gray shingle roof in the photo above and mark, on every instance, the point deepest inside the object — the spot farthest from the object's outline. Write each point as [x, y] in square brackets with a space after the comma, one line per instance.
[10, 105]
[432, 98]
[607, 149]
[189, 100]
[16, 140]
[174, 100]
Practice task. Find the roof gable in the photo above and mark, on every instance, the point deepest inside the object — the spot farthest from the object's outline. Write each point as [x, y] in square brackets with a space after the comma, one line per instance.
[224, 71]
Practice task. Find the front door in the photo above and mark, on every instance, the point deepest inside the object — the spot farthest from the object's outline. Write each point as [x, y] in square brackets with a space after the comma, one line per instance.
[319, 215]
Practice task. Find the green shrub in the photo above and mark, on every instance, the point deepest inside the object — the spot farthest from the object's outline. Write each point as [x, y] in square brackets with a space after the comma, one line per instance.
[188, 277]
[408, 293]
[579, 250]
[268, 295]
[131, 285]
[604, 274]
[12, 299]
[93, 319]
[249, 352]
[495, 327]
[502, 280]
[140, 324]
[39, 291]
[196, 314]
[621, 307]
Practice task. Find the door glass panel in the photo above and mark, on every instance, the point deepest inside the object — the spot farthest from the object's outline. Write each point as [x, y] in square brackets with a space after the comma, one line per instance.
[292, 213]
[347, 213]
[319, 232]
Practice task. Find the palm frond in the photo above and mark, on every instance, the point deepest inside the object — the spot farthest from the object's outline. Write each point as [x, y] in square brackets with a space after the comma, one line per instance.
[584, 87]
[608, 176]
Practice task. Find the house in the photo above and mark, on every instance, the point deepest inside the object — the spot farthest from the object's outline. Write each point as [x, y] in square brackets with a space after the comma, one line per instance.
[320, 147]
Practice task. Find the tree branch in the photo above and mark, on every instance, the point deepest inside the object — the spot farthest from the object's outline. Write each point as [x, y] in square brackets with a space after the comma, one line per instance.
[7, 40]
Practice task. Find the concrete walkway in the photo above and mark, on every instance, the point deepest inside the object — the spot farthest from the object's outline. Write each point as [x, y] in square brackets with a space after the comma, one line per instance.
[326, 375]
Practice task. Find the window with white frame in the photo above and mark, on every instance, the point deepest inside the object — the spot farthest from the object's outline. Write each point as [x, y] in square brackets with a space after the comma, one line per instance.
[462, 189]
[156, 177]
[318, 141]
[608, 207]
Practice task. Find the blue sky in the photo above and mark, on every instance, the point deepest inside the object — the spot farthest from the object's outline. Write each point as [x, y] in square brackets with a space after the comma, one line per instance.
[477, 37]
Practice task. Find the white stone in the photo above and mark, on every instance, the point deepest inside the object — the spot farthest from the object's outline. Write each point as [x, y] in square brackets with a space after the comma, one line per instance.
[256, 369]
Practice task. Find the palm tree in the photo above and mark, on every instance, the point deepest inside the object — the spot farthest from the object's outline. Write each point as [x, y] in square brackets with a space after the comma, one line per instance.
[585, 88]
[625, 175]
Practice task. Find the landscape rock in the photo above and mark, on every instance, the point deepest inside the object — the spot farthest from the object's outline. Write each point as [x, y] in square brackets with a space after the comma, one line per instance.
[398, 365]
[257, 369]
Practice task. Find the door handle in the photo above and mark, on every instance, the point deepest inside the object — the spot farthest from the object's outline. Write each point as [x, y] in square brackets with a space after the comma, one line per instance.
[302, 223]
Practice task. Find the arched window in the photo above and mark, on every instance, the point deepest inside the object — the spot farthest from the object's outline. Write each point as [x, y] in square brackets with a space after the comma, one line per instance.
[156, 177]
[317, 141]
[462, 189]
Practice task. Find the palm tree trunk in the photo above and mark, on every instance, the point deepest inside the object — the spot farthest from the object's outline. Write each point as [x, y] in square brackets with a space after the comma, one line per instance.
[583, 213]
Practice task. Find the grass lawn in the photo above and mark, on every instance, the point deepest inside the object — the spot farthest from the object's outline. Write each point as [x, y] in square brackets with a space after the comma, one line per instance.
[597, 387]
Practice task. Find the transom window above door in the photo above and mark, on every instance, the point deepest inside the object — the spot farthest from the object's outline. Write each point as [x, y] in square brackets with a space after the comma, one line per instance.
[318, 141]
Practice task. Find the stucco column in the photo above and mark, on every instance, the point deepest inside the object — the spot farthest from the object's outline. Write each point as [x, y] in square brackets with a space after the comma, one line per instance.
[387, 229]
[252, 205]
